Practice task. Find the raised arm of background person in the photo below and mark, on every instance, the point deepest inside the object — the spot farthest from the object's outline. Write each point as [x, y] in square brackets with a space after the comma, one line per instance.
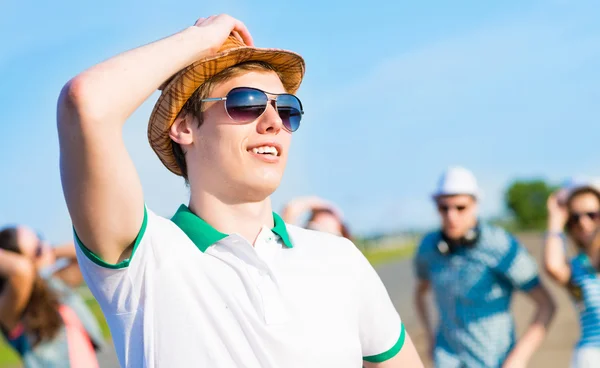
[69, 273]
[66, 250]
[537, 330]
[19, 274]
[407, 357]
[555, 259]
[101, 186]
[297, 206]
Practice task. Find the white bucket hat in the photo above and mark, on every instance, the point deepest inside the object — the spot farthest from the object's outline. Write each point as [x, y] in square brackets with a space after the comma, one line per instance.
[457, 180]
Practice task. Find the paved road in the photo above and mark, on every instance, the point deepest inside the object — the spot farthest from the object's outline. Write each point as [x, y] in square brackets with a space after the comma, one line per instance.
[555, 352]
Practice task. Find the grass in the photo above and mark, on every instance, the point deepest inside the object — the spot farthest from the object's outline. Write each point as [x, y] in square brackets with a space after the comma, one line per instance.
[8, 357]
[95, 308]
[381, 256]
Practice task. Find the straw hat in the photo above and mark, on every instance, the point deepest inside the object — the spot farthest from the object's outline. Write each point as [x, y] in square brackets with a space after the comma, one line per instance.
[178, 89]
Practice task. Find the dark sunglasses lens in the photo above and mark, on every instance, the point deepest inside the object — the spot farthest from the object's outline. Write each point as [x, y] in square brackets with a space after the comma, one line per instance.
[290, 111]
[445, 208]
[245, 104]
[573, 219]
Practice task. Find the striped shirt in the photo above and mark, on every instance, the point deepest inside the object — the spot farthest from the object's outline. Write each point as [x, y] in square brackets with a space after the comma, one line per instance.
[472, 289]
[584, 288]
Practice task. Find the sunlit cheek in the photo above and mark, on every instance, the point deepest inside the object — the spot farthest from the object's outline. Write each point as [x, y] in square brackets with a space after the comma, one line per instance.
[588, 226]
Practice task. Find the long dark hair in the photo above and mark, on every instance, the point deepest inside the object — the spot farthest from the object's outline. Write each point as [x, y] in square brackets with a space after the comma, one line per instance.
[40, 317]
[343, 228]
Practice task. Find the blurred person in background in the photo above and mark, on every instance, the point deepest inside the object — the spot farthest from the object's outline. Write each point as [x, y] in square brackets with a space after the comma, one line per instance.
[576, 209]
[42, 318]
[323, 215]
[472, 269]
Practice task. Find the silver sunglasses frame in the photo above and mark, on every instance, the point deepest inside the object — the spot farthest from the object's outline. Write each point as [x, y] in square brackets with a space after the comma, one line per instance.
[269, 99]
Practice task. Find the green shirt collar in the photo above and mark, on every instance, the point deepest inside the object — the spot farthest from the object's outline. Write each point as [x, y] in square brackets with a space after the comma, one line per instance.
[204, 235]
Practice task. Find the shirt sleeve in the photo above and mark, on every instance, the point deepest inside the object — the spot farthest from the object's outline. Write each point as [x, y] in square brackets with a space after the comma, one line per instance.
[517, 265]
[111, 284]
[381, 330]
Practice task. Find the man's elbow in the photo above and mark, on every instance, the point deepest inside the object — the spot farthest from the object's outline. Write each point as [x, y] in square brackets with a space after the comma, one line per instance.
[76, 103]
[545, 304]
[550, 307]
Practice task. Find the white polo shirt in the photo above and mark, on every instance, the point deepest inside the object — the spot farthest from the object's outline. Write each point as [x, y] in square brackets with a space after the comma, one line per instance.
[191, 296]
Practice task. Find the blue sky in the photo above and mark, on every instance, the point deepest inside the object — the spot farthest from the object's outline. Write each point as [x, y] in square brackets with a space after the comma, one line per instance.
[394, 93]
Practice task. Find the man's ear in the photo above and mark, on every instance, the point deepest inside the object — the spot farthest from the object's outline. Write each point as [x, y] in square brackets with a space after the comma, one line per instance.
[181, 129]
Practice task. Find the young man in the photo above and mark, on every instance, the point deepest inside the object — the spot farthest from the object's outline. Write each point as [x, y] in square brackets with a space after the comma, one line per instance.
[473, 269]
[225, 282]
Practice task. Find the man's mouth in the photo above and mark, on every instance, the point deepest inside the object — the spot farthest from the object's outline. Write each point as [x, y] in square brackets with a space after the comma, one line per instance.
[265, 150]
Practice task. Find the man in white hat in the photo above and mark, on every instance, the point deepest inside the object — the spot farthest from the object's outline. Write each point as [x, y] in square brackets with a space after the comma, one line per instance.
[473, 268]
[224, 282]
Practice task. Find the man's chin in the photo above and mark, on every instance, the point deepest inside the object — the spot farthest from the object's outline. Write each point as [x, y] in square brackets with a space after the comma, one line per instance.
[260, 190]
[454, 234]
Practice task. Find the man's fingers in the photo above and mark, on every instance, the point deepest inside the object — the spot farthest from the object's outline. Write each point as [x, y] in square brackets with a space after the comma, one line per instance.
[237, 36]
[243, 32]
[199, 21]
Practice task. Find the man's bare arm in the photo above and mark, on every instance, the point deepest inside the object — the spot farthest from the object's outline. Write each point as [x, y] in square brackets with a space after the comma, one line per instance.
[101, 186]
[537, 330]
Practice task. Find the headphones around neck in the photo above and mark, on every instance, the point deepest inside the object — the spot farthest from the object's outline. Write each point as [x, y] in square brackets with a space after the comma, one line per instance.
[447, 246]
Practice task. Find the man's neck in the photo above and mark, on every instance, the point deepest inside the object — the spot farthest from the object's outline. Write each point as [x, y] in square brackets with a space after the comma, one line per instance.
[245, 219]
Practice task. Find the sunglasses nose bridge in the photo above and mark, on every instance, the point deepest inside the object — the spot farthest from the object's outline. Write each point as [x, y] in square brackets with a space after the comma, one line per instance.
[581, 220]
[270, 121]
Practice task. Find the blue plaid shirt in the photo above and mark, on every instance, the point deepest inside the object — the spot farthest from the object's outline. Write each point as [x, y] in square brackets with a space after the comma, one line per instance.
[473, 289]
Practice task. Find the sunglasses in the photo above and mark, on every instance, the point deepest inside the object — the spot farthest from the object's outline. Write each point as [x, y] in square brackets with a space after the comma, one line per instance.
[446, 208]
[575, 217]
[245, 104]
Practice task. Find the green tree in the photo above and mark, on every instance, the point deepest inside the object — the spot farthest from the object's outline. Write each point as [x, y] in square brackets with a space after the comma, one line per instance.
[526, 200]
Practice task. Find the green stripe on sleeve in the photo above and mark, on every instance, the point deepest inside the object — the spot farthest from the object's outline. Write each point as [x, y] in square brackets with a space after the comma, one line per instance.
[125, 263]
[390, 353]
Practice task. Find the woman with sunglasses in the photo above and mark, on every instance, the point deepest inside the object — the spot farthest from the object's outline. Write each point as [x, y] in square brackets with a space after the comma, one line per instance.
[323, 215]
[577, 209]
[42, 319]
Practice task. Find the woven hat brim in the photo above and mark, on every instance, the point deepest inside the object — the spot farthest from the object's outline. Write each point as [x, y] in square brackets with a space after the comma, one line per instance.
[180, 88]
